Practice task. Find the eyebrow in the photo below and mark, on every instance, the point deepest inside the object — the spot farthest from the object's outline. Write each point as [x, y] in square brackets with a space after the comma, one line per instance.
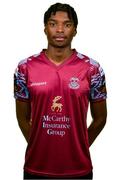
[65, 21]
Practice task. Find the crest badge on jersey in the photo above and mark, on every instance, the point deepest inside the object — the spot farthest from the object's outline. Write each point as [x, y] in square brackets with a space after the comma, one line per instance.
[74, 83]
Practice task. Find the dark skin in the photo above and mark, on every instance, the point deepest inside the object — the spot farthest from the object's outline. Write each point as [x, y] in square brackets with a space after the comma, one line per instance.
[99, 115]
[60, 31]
[23, 112]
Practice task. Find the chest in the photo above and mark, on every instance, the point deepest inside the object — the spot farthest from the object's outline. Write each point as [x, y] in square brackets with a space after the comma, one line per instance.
[45, 80]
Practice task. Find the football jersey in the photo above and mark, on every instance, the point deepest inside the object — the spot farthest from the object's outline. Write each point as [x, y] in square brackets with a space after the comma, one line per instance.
[59, 95]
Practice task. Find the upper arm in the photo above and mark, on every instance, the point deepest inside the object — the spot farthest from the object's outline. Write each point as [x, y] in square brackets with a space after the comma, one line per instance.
[21, 92]
[23, 110]
[98, 93]
[98, 110]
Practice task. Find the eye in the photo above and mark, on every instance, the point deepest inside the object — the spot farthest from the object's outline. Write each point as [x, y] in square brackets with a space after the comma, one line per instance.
[68, 25]
[52, 24]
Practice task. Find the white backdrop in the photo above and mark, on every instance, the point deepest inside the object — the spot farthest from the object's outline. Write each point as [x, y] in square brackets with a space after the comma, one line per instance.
[21, 35]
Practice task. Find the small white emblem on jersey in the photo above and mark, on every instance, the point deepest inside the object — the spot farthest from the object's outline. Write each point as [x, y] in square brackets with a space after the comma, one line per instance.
[74, 83]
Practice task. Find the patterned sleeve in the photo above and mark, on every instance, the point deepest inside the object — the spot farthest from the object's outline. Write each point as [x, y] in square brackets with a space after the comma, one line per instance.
[98, 85]
[20, 83]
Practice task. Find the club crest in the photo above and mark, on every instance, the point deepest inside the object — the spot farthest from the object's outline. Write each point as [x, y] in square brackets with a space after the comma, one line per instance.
[74, 83]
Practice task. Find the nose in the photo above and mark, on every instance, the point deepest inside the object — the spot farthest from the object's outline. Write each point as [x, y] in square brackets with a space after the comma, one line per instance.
[60, 28]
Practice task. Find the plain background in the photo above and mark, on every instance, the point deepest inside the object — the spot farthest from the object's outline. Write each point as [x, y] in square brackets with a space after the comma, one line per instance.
[21, 35]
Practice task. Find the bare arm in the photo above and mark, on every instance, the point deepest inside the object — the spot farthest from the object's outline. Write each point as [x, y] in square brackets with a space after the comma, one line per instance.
[99, 114]
[23, 112]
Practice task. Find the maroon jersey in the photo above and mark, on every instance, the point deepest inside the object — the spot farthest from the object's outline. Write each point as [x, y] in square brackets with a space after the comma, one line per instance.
[59, 97]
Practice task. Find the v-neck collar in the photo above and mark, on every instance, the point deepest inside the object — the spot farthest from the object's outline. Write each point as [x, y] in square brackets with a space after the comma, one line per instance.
[66, 61]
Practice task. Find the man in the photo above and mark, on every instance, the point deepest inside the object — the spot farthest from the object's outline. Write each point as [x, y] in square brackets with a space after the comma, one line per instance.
[52, 91]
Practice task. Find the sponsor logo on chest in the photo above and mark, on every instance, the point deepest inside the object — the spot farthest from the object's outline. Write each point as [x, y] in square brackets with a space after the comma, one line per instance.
[56, 106]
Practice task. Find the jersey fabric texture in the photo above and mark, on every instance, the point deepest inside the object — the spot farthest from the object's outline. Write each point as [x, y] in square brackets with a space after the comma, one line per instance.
[59, 97]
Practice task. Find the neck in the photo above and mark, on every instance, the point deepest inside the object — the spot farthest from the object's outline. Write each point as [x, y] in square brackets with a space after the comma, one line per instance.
[58, 55]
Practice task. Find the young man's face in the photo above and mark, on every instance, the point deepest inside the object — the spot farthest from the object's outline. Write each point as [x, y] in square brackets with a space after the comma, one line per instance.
[60, 30]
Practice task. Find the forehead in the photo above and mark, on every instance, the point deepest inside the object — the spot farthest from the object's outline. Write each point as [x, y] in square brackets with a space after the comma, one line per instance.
[60, 15]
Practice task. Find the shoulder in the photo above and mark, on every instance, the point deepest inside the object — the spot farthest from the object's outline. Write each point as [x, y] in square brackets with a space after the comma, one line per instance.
[26, 61]
[92, 66]
[87, 60]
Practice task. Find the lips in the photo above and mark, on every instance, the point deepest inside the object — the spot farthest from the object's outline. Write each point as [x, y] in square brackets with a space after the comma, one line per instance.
[59, 38]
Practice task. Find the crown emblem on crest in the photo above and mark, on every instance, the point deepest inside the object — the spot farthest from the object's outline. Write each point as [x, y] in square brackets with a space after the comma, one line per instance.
[74, 83]
[56, 106]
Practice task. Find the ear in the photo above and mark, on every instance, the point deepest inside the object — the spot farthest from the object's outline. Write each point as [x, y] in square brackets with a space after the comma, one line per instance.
[45, 30]
[75, 32]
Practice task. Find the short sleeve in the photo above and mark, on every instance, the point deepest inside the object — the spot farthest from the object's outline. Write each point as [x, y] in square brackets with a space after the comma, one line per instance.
[98, 84]
[20, 83]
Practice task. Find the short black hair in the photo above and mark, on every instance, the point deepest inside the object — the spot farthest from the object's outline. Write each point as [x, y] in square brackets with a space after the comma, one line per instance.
[61, 7]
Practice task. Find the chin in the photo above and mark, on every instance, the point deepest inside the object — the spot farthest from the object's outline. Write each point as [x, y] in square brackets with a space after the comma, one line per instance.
[60, 45]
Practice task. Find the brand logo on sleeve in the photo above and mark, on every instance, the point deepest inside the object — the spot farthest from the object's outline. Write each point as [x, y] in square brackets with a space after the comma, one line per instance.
[56, 106]
[74, 83]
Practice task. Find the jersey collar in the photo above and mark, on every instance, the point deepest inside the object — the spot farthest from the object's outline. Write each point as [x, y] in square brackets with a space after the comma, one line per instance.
[66, 61]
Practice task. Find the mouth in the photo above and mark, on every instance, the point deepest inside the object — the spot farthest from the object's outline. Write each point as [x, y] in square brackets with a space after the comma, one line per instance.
[59, 38]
